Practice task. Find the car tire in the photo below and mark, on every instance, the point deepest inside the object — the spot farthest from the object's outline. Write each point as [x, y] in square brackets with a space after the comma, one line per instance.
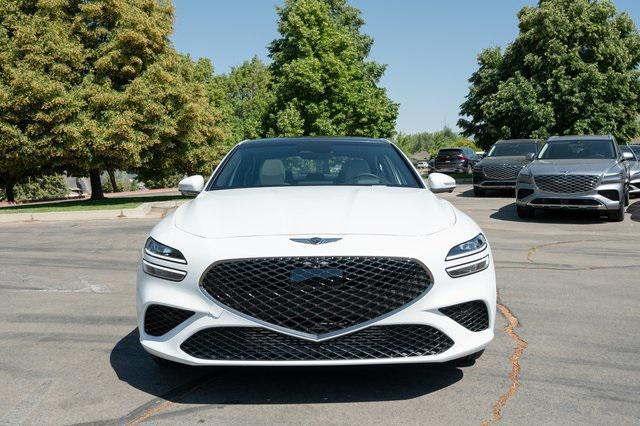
[525, 212]
[617, 215]
[479, 192]
[627, 198]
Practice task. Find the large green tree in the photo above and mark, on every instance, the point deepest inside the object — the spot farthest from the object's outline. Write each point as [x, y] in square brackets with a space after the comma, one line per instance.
[573, 69]
[324, 83]
[40, 64]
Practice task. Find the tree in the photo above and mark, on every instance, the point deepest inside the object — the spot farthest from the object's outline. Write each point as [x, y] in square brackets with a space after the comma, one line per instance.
[248, 96]
[432, 142]
[573, 69]
[39, 64]
[323, 83]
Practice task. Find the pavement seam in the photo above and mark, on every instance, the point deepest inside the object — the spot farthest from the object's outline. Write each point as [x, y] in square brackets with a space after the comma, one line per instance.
[534, 249]
[514, 375]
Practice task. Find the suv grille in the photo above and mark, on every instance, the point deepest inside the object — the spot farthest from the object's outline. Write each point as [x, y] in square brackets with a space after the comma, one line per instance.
[471, 315]
[159, 319]
[503, 171]
[259, 344]
[566, 184]
[316, 295]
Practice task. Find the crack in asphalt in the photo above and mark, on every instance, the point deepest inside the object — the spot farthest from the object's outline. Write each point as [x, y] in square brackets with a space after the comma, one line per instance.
[534, 249]
[514, 375]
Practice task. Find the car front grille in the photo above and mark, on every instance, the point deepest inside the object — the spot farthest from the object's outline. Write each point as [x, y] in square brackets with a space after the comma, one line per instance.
[259, 344]
[316, 295]
[566, 184]
[159, 319]
[502, 171]
[471, 315]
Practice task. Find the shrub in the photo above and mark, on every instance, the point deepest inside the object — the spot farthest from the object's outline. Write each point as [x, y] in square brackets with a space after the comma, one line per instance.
[40, 188]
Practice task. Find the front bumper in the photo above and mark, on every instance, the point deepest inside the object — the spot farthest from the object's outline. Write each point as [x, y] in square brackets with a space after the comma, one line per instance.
[444, 292]
[529, 195]
[634, 187]
[484, 182]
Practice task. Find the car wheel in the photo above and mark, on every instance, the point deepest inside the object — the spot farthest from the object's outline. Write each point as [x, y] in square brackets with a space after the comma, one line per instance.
[525, 212]
[627, 198]
[478, 192]
[617, 215]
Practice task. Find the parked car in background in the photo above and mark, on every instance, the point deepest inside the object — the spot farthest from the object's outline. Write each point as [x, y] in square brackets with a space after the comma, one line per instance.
[500, 168]
[421, 165]
[634, 168]
[576, 172]
[481, 154]
[455, 160]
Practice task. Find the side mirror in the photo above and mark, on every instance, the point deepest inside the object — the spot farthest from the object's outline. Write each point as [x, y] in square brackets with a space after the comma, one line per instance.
[627, 156]
[191, 186]
[530, 156]
[439, 183]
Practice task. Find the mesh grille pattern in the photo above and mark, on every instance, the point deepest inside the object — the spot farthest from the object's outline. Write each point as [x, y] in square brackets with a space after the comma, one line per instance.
[471, 315]
[316, 295]
[159, 319]
[259, 344]
[567, 184]
[502, 171]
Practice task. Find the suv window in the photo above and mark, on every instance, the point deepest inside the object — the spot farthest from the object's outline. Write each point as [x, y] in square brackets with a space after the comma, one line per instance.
[578, 149]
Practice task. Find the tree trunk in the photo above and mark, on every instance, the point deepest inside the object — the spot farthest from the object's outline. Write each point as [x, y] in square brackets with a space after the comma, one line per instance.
[96, 185]
[114, 183]
[8, 188]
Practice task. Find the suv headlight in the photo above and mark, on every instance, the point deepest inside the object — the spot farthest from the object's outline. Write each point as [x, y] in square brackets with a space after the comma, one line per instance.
[525, 176]
[161, 251]
[468, 268]
[473, 246]
[613, 177]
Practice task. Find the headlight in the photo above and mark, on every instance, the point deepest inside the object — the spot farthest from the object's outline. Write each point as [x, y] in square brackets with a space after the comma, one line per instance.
[159, 250]
[162, 271]
[477, 168]
[468, 268]
[476, 245]
[525, 176]
[613, 177]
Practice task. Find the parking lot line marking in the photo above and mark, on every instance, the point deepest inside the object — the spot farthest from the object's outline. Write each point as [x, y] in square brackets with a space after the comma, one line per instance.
[514, 375]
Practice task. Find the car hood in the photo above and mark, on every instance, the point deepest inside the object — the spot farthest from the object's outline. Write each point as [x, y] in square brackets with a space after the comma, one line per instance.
[571, 167]
[311, 211]
[498, 161]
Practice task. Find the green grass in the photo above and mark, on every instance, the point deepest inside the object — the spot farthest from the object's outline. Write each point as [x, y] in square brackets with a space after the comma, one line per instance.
[81, 205]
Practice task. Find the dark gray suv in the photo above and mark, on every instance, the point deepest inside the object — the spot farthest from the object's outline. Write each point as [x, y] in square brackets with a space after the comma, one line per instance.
[576, 172]
[500, 168]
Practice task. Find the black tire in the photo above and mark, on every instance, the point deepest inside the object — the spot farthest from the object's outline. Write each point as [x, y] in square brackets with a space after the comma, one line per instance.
[479, 192]
[627, 198]
[525, 212]
[616, 215]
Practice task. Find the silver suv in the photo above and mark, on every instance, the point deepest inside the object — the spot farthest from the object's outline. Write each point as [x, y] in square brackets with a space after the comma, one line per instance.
[576, 172]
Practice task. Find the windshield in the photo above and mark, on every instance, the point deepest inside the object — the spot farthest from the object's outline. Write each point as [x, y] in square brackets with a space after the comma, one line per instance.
[578, 149]
[519, 149]
[310, 163]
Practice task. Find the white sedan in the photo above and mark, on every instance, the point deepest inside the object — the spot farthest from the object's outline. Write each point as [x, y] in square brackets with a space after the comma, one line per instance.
[316, 251]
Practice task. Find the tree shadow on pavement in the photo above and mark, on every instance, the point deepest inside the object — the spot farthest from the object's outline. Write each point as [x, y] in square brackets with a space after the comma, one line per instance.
[574, 217]
[276, 385]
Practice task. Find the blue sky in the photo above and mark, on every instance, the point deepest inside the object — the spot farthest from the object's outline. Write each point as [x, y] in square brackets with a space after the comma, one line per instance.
[430, 47]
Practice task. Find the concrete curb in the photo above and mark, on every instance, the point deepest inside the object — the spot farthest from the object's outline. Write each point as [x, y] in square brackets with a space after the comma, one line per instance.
[156, 209]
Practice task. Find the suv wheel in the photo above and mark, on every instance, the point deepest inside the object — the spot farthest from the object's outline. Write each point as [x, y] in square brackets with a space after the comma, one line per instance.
[478, 192]
[627, 197]
[617, 215]
[525, 212]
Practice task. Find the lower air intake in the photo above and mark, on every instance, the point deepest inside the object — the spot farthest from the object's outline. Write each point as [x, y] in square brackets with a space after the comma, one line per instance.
[471, 315]
[259, 344]
[159, 319]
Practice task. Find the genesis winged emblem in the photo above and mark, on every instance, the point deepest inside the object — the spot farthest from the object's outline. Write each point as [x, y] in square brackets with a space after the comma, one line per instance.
[315, 240]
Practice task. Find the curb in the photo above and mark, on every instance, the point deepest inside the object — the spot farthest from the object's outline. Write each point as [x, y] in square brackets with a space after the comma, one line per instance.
[158, 209]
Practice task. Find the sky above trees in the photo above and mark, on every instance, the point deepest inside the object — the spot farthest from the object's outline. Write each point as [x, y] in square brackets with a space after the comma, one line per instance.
[430, 47]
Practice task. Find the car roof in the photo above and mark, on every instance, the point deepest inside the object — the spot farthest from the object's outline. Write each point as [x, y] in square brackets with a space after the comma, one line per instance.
[504, 141]
[276, 141]
[581, 137]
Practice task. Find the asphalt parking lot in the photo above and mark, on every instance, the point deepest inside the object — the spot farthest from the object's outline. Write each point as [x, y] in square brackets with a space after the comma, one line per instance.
[567, 347]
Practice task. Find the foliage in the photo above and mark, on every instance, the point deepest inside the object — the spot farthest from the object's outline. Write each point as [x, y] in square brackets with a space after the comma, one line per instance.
[40, 188]
[432, 142]
[170, 181]
[123, 185]
[246, 92]
[322, 81]
[111, 203]
[573, 69]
